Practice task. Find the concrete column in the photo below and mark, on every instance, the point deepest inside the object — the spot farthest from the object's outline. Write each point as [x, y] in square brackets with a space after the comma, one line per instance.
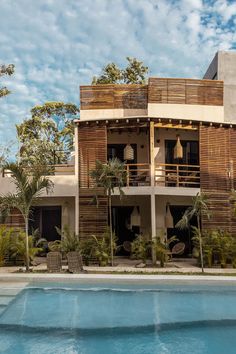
[77, 181]
[153, 201]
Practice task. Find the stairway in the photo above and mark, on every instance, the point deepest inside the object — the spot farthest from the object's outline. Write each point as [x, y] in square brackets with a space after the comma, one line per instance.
[8, 292]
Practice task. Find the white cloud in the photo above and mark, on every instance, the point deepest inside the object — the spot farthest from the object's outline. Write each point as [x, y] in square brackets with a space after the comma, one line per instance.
[57, 45]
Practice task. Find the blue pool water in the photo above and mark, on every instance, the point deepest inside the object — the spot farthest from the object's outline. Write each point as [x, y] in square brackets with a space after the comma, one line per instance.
[88, 319]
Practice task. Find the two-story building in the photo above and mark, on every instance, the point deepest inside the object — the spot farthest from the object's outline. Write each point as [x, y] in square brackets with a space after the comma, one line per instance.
[176, 137]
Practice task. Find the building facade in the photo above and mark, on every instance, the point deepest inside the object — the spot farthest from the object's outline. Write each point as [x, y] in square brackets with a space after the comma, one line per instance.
[181, 134]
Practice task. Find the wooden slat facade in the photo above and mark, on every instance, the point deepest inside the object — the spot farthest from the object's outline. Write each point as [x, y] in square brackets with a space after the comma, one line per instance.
[113, 97]
[93, 217]
[158, 90]
[218, 175]
[185, 91]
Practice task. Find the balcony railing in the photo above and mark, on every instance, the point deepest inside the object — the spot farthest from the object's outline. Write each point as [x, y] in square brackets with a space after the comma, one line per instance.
[138, 174]
[174, 175]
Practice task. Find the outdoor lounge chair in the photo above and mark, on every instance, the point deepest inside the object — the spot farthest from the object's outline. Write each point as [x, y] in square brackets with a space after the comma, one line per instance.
[54, 262]
[75, 263]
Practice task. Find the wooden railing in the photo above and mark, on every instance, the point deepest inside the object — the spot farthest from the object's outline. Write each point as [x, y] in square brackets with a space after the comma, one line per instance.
[138, 174]
[174, 175]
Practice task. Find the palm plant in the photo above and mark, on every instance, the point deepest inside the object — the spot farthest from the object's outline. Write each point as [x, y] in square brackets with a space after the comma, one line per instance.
[198, 209]
[19, 250]
[5, 241]
[110, 176]
[29, 185]
[69, 240]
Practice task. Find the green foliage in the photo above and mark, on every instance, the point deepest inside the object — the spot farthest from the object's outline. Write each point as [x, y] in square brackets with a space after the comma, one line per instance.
[108, 176]
[47, 137]
[134, 73]
[198, 209]
[5, 242]
[141, 247]
[161, 246]
[6, 70]
[18, 249]
[69, 240]
[218, 245]
[29, 187]
[86, 249]
[101, 250]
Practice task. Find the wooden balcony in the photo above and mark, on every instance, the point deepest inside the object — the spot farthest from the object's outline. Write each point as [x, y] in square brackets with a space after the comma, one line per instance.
[175, 175]
[138, 174]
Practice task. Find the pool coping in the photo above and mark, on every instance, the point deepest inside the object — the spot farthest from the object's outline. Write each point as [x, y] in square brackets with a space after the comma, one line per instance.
[117, 278]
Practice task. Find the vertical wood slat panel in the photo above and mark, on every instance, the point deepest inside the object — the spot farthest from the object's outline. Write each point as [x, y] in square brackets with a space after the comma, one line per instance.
[185, 91]
[216, 157]
[93, 218]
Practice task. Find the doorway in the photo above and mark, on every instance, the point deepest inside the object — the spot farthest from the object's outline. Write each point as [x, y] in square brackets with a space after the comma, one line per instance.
[122, 228]
[185, 235]
[45, 219]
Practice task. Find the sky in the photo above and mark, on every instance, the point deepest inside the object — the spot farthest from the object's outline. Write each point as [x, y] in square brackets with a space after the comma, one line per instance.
[57, 45]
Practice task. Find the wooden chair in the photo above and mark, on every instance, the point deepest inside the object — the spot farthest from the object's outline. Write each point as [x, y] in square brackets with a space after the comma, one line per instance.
[75, 263]
[54, 262]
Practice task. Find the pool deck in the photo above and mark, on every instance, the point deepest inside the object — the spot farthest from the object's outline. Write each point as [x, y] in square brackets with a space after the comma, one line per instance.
[124, 270]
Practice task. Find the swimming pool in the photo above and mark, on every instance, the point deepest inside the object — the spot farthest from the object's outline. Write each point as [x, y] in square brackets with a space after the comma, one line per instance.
[92, 318]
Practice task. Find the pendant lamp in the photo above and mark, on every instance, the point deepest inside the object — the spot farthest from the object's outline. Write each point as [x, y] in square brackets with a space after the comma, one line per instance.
[128, 152]
[169, 223]
[178, 149]
[135, 219]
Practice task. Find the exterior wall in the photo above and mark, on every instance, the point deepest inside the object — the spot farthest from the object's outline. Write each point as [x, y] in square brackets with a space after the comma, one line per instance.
[92, 146]
[68, 209]
[223, 67]
[204, 113]
[64, 185]
[188, 99]
[218, 175]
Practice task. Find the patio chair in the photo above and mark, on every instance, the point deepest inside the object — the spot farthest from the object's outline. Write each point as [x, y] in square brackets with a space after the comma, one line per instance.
[178, 249]
[75, 263]
[54, 262]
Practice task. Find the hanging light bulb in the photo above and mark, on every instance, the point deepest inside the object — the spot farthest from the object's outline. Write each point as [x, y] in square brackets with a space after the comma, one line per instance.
[178, 149]
[128, 152]
[169, 218]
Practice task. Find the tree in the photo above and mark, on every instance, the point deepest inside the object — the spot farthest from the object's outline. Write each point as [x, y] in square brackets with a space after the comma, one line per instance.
[134, 73]
[6, 70]
[47, 137]
[198, 209]
[29, 186]
[108, 176]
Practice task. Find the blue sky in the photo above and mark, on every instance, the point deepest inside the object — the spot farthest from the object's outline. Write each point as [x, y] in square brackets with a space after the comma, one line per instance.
[57, 45]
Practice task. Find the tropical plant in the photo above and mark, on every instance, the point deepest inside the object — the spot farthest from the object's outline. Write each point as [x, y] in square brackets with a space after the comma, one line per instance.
[86, 247]
[141, 247]
[161, 245]
[6, 70]
[110, 176]
[18, 249]
[28, 188]
[5, 242]
[47, 137]
[69, 240]
[134, 73]
[101, 250]
[198, 209]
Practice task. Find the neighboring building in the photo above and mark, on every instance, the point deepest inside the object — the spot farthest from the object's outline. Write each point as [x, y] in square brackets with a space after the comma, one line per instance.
[181, 143]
